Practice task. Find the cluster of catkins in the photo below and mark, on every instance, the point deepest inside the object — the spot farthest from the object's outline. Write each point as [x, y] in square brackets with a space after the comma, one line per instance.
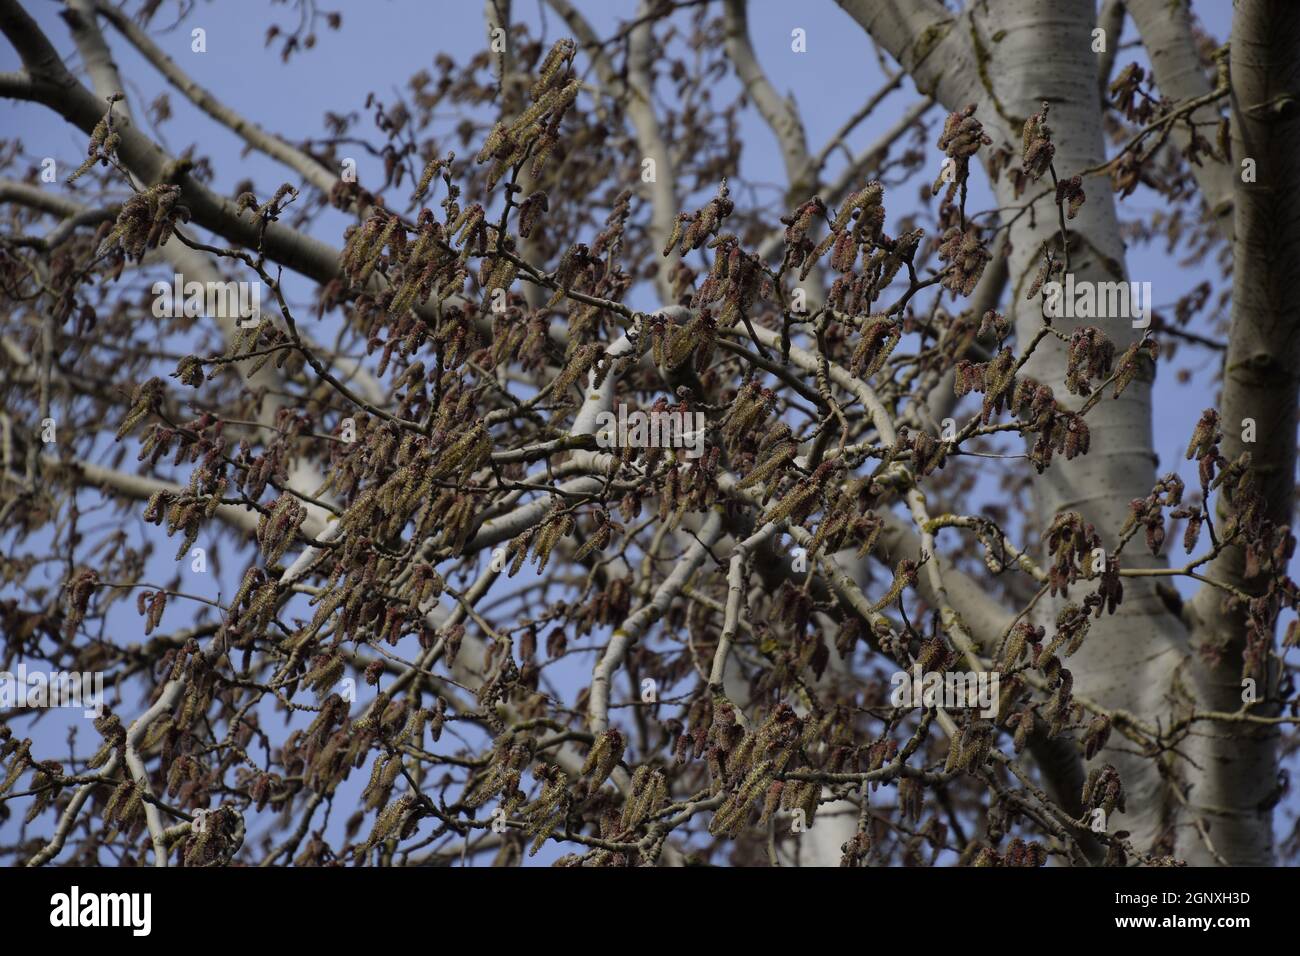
[1037, 150]
[145, 222]
[967, 256]
[961, 139]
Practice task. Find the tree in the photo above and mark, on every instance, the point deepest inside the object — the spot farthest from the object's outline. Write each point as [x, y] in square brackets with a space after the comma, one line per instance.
[715, 440]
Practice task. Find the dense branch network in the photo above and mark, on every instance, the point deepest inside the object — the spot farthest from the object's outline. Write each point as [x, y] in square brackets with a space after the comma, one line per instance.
[455, 578]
